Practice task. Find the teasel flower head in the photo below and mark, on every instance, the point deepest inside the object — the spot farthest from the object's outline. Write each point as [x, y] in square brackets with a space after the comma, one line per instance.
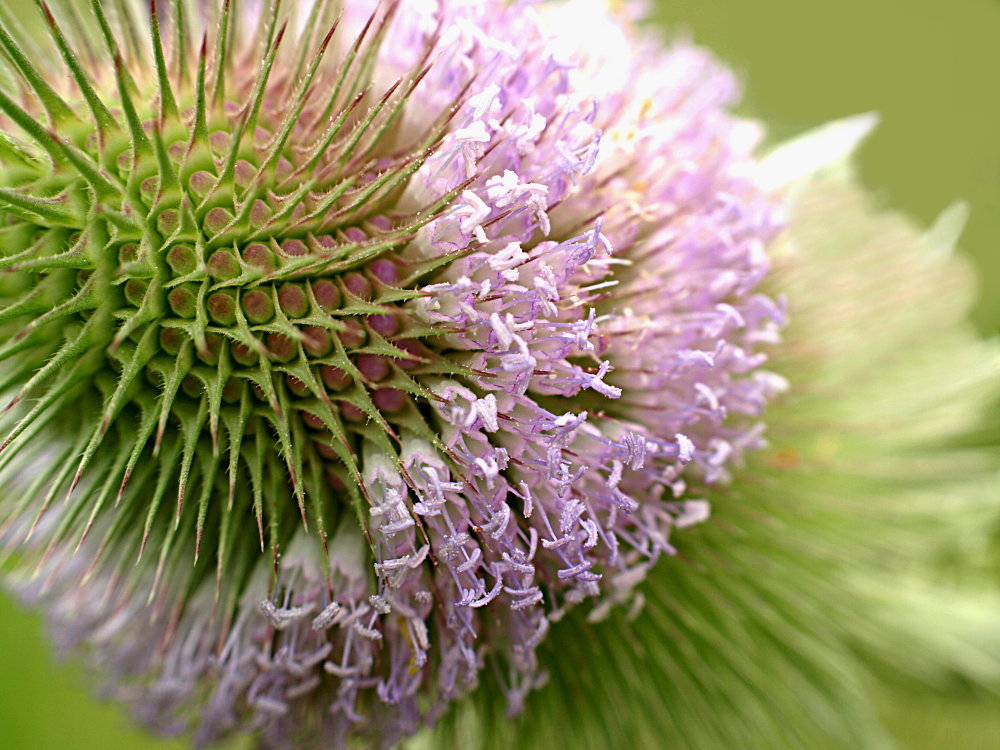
[349, 346]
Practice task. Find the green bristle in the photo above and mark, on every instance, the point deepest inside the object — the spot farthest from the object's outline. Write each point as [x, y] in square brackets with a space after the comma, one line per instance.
[59, 112]
[221, 56]
[168, 105]
[210, 469]
[192, 421]
[166, 464]
[102, 117]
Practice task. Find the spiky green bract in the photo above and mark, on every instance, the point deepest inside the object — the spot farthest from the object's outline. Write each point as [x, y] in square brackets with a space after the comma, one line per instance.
[825, 567]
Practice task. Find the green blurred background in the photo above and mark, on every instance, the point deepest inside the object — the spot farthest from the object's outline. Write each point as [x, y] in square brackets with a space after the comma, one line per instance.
[930, 68]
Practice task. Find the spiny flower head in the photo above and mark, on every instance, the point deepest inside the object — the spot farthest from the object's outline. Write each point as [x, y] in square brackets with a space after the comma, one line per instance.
[408, 324]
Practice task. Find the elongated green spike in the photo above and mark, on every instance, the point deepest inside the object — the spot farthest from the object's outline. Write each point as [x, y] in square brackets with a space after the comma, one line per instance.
[224, 548]
[277, 416]
[116, 468]
[210, 469]
[58, 111]
[76, 258]
[312, 23]
[214, 382]
[199, 131]
[168, 104]
[23, 438]
[324, 410]
[340, 259]
[14, 374]
[270, 26]
[72, 349]
[166, 463]
[166, 547]
[18, 156]
[192, 424]
[347, 151]
[402, 235]
[140, 142]
[235, 422]
[60, 151]
[366, 197]
[36, 301]
[198, 328]
[134, 364]
[168, 179]
[38, 209]
[345, 66]
[54, 398]
[255, 467]
[85, 299]
[28, 347]
[427, 268]
[221, 56]
[317, 490]
[13, 21]
[182, 42]
[395, 110]
[365, 63]
[358, 396]
[74, 508]
[105, 121]
[140, 441]
[293, 459]
[126, 87]
[59, 479]
[124, 520]
[79, 25]
[413, 421]
[62, 454]
[378, 428]
[127, 223]
[275, 517]
[172, 379]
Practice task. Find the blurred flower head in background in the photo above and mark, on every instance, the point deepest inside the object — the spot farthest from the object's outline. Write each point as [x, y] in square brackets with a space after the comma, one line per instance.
[424, 331]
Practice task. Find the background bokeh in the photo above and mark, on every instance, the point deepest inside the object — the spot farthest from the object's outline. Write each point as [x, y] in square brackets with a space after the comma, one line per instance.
[930, 69]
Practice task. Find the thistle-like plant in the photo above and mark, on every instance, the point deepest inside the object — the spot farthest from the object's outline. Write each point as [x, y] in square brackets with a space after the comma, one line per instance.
[351, 345]
[364, 290]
